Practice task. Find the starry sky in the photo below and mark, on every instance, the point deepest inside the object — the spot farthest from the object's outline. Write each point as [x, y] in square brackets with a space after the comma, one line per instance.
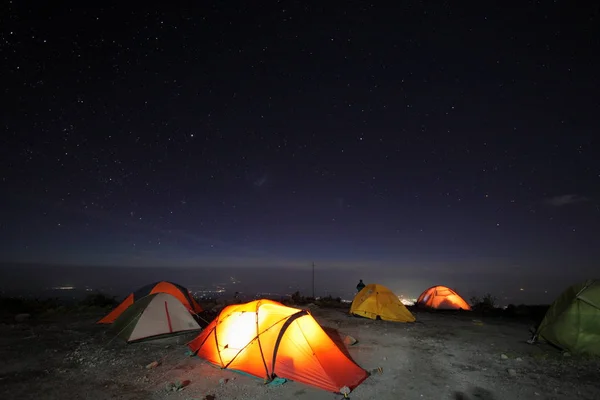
[433, 140]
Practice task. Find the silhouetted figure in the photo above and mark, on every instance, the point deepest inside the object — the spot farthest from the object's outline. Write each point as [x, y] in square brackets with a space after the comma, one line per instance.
[360, 286]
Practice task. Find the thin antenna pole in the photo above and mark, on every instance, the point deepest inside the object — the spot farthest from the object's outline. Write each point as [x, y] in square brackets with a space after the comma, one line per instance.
[313, 280]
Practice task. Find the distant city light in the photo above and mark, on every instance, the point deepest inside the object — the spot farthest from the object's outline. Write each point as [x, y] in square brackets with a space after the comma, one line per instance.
[63, 287]
[407, 302]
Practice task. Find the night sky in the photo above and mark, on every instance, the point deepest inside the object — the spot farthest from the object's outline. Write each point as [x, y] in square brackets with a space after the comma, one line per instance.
[438, 140]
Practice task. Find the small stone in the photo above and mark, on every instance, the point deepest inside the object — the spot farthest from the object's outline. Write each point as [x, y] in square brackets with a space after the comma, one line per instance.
[153, 364]
[519, 359]
[384, 358]
[349, 340]
[223, 381]
[566, 354]
[378, 370]
[345, 391]
[511, 372]
[180, 385]
[503, 356]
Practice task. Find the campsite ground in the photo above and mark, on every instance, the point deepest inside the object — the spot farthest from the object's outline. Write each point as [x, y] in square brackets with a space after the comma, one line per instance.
[442, 356]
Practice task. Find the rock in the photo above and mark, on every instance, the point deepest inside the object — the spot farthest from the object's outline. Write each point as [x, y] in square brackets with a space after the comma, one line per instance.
[511, 372]
[503, 356]
[349, 340]
[384, 358]
[180, 385]
[566, 354]
[377, 370]
[22, 317]
[223, 381]
[345, 391]
[152, 365]
[519, 359]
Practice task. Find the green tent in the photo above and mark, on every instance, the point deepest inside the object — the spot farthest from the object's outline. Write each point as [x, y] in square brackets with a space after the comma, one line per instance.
[153, 316]
[573, 321]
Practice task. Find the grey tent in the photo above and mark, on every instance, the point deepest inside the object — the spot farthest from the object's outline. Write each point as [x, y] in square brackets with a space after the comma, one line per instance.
[152, 316]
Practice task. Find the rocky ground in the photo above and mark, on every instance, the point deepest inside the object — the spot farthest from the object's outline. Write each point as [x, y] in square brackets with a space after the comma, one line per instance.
[442, 356]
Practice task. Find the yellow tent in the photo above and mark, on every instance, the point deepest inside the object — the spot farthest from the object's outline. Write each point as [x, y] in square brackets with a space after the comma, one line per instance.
[378, 302]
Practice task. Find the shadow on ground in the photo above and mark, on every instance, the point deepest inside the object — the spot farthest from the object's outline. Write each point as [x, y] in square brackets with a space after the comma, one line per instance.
[476, 393]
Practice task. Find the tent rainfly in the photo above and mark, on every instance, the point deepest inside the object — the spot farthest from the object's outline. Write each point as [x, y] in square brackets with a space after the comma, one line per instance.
[268, 340]
[154, 316]
[378, 302]
[573, 321]
[442, 298]
[171, 288]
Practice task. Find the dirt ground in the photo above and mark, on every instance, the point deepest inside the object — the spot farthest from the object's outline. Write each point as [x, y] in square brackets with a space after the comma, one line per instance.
[442, 356]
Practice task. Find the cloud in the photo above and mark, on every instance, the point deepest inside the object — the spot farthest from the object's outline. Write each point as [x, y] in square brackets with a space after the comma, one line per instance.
[565, 200]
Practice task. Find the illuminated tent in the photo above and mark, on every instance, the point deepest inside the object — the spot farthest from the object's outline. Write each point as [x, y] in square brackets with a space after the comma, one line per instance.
[266, 339]
[153, 316]
[378, 302]
[442, 298]
[573, 321]
[178, 291]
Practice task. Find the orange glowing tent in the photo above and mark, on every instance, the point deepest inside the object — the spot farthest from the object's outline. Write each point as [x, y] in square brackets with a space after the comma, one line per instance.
[175, 290]
[442, 298]
[266, 339]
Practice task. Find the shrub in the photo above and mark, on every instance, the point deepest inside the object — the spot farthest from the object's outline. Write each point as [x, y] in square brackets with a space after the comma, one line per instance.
[486, 303]
[297, 298]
